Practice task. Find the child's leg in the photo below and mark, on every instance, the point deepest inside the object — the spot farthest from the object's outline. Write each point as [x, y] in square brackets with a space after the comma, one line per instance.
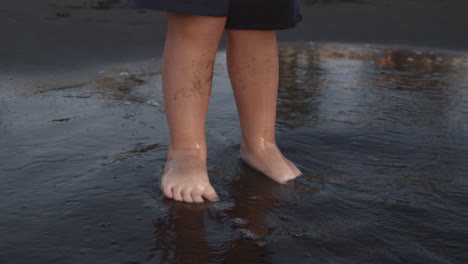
[253, 68]
[189, 54]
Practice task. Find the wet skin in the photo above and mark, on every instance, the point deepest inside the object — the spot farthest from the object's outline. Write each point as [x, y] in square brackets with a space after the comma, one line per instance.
[252, 60]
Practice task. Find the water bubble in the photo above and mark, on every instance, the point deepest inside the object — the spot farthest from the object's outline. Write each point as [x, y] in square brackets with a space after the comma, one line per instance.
[102, 72]
[410, 59]
[297, 234]
[129, 114]
[238, 221]
[124, 74]
[261, 243]
[152, 103]
[247, 233]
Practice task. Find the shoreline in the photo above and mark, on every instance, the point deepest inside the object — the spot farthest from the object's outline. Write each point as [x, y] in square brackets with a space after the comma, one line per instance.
[86, 73]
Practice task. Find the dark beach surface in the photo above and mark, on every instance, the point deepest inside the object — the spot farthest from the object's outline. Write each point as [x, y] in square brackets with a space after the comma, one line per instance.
[373, 108]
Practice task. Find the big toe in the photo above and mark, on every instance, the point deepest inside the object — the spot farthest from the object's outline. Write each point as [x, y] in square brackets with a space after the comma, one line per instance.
[285, 179]
[284, 175]
[295, 170]
[210, 194]
[291, 166]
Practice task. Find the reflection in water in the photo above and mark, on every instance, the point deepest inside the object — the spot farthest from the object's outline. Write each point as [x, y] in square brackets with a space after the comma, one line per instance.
[366, 86]
[254, 196]
[299, 86]
[181, 236]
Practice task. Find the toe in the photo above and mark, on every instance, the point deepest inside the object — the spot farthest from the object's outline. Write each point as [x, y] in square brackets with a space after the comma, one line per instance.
[187, 197]
[167, 192]
[196, 197]
[293, 167]
[177, 194]
[290, 177]
[210, 194]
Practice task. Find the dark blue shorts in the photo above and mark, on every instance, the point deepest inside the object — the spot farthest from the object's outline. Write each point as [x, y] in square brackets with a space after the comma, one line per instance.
[241, 14]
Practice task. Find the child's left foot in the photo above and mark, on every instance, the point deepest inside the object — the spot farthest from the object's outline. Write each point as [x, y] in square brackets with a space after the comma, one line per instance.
[268, 159]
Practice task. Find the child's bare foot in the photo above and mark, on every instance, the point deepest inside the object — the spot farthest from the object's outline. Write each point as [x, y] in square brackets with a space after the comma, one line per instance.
[268, 159]
[185, 179]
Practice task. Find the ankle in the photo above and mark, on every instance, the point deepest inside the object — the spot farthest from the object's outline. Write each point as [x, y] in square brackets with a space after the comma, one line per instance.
[259, 145]
[197, 152]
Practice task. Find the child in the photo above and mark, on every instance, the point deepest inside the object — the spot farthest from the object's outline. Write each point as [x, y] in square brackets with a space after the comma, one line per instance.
[194, 32]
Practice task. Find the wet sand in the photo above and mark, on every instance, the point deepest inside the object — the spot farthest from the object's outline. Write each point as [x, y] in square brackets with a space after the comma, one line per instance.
[381, 135]
[380, 132]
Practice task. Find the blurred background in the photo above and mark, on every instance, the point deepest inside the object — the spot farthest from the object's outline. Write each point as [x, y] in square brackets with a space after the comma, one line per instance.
[65, 34]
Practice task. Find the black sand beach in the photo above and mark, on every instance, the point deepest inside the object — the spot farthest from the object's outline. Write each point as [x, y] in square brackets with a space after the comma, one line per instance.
[373, 108]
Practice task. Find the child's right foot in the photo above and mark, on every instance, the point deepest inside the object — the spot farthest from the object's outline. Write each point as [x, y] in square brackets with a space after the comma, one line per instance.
[185, 179]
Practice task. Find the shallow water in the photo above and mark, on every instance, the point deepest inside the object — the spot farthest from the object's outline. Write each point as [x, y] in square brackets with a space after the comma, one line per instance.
[381, 134]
